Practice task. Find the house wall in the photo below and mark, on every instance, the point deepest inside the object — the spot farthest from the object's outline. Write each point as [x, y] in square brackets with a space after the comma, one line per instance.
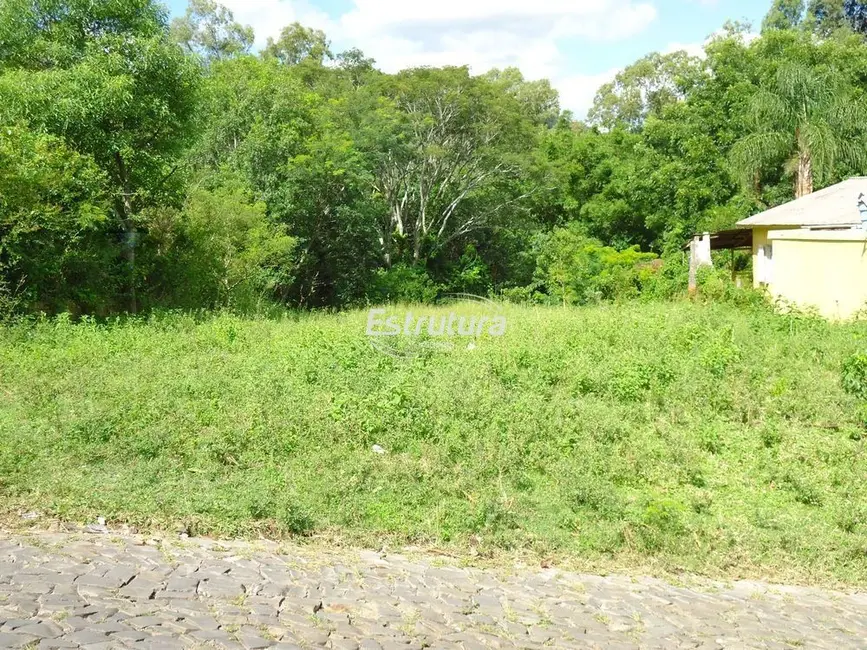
[822, 269]
[760, 238]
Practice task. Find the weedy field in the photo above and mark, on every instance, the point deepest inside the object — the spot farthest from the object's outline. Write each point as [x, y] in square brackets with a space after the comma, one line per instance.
[701, 437]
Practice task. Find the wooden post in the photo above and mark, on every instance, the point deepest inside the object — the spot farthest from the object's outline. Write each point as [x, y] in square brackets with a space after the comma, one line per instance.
[693, 266]
[734, 274]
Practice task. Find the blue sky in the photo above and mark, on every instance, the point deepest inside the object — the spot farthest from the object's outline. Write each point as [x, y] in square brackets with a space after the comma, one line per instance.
[578, 44]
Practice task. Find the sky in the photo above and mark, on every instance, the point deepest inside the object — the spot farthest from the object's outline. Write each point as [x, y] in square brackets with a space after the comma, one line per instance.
[577, 44]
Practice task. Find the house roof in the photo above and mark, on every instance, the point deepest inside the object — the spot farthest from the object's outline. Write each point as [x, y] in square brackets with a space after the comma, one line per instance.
[727, 239]
[833, 206]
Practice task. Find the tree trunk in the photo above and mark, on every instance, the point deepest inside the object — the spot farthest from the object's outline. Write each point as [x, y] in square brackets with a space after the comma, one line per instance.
[416, 244]
[804, 183]
[130, 233]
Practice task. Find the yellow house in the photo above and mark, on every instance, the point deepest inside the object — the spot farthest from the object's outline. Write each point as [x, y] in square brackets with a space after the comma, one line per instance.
[812, 252]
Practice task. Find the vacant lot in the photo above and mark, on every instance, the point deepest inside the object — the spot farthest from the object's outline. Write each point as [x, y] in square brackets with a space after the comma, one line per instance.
[686, 436]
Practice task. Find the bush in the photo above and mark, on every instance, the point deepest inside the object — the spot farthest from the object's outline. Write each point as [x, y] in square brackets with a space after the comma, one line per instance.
[403, 284]
[224, 251]
[575, 269]
[716, 285]
[854, 376]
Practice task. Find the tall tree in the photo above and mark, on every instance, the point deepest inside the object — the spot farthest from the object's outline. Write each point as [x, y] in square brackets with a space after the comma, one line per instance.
[52, 203]
[807, 120]
[298, 44]
[355, 65]
[824, 17]
[104, 75]
[644, 88]
[210, 30]
[446, 152]
[784, 14]
[540, 100]
[293, 151]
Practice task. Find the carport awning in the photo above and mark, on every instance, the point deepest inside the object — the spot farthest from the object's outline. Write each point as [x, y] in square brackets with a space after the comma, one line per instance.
[728, 239]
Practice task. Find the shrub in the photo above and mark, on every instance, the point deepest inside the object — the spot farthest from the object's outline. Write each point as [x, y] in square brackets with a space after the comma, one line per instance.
[402, 283]
[854, 376]
[575, 269]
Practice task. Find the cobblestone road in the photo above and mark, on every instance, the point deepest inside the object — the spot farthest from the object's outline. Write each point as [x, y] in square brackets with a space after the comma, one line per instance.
[103, 591]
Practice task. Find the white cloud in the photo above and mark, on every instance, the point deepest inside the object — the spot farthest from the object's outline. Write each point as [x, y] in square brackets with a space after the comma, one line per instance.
[577, 91]
[483, 34]
[698, 49]
[693, 49]
[269, 17]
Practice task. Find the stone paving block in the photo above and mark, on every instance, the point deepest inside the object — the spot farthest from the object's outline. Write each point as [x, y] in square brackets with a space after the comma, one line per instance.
[55, 644]
[108, 627]
[143, 622]
[129, 636]
[164, 643]
[12, 624]
[87, 637]
[313, 637]
[140, 589]
[207, 636]
[44, 630]
[253, 641]
[14, 640]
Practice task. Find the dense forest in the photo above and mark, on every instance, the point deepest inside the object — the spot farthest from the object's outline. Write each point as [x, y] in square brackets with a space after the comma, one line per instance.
[154, 163]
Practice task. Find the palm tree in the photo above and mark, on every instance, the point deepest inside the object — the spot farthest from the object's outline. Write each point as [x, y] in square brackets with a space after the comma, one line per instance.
[809, 119]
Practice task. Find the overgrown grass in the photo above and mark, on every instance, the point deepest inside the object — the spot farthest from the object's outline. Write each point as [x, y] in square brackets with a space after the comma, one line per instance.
[698, 437]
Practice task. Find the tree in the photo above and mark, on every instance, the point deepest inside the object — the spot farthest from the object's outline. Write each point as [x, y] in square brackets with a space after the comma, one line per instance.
[784, 14]
[103, 75]
[52, 203]
[447, 153]
[298, 44]
[824, 17]
[540, 100]
[53, 34]
[806, 119]
[574, 269]
[210, 31]
[233, 254]
[293, 150]
[355, 65]
[644, 88]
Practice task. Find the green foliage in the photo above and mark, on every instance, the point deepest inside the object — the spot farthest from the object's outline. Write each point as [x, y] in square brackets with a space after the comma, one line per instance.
[854, 376]
[645, 88]
[298, 45]
[574, 269]
[209, 30]
[784, 14]
[715, 285]
[312, 179]
[103, 76]
[403, 284]
[52, 202]
[693, 437]
[232, 254]
[805, 121]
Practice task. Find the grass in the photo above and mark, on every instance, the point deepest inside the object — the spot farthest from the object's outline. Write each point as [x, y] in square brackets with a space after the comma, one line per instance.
[705, 438]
